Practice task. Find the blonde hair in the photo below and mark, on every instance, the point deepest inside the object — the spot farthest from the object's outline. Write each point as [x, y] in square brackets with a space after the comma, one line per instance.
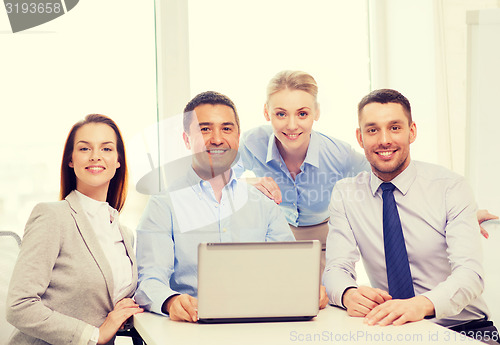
[293, 80]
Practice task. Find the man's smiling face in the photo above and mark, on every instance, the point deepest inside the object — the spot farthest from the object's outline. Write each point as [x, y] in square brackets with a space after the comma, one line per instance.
[385, 135]
[213, 139]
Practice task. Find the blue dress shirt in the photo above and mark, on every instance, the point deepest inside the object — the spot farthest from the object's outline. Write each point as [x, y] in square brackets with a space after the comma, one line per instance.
[438, 219]
[186, 214]
[305, 199]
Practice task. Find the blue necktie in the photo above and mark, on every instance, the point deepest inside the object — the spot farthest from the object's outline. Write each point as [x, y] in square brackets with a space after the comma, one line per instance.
[396, 257]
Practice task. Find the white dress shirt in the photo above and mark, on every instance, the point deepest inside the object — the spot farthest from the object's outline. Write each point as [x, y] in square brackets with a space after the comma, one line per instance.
[104, 221]
[438, 218]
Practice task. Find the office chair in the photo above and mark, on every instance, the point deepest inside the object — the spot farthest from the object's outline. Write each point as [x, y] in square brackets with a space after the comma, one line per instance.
[9, 249]
[131, 332]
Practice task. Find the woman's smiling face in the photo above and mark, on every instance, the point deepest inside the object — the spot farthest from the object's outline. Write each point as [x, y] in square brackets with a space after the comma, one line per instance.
[94, 158]
[292, 114]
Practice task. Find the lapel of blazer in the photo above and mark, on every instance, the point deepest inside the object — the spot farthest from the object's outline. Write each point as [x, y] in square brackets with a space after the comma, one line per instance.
[129, 247]
[90, 240]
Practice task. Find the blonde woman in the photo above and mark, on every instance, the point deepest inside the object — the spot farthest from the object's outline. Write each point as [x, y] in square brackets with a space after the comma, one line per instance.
[295, 165]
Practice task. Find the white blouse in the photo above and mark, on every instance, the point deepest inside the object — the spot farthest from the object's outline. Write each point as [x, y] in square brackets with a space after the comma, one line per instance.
[104, 221]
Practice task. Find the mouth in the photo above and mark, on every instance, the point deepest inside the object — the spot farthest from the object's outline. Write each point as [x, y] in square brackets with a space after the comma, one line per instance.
[386, 154]
[95, 169]
[216, 152]
[291, 136]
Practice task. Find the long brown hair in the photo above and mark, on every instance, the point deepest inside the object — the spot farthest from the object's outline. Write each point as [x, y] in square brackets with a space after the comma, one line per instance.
[117, 190]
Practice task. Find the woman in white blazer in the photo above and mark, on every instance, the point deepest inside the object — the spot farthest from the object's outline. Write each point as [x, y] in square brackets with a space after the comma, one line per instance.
[76, 271]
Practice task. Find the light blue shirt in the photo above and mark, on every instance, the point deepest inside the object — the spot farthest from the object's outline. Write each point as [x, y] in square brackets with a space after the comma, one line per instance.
[305, 199]
[442, 237]
[186, 214]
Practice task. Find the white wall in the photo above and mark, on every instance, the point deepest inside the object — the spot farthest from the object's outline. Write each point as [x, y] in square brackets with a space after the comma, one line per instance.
[403, 52]
[237, 47]
[98, 58]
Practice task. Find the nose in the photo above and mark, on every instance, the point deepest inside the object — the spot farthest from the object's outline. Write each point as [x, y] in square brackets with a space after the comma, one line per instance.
[292, 123]
[385, 137]
[216, 138]
[95, 155]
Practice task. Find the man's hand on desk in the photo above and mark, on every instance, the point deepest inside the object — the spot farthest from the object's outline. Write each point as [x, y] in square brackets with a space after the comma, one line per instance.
[182, 308]
[360, 301]
[323, 298]
[400, 311]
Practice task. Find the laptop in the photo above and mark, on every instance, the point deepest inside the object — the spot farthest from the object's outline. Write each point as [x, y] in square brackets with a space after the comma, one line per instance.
[258, 282]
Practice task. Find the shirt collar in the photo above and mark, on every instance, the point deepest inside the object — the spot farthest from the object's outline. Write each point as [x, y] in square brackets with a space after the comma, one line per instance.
[197, 182]
[272, 150]
[93, 207]
[402, 182]
[312, 155]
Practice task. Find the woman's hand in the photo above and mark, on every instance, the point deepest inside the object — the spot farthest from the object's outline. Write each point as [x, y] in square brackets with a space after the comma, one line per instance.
[116, 318]
[267, 186]
[482, 216]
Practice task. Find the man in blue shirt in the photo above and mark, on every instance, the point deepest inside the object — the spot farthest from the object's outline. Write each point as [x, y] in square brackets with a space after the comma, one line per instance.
[208, 205]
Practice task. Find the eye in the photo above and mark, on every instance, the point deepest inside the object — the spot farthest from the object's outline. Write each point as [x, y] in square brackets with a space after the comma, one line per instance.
[280, 114]
[227, 129]
[371, 130]
[107, 149]
[83, 149]
[204, 129]
[303, 114]
[395, 128]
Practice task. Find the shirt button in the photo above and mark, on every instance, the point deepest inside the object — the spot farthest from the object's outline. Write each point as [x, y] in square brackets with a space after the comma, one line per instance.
[216, 205]
[224, 230]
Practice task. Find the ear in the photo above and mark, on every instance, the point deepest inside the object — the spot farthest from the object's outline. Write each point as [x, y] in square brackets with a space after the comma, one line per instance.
[186, 140]
[413, 132]
[70, 164]
[316, 118]
[359, 137]
[118, 164]
[266, 113]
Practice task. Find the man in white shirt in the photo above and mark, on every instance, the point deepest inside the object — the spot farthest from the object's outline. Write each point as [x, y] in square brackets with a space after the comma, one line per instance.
[440, 249]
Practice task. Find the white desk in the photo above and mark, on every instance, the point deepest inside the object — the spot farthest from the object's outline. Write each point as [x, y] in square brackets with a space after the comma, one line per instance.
[331, 326]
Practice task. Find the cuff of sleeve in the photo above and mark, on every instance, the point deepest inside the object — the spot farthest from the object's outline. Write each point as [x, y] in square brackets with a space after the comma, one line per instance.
[95, 337]
[87, 335]
[342, 297]
[439, 303]
[336, 285]
[156, 306]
